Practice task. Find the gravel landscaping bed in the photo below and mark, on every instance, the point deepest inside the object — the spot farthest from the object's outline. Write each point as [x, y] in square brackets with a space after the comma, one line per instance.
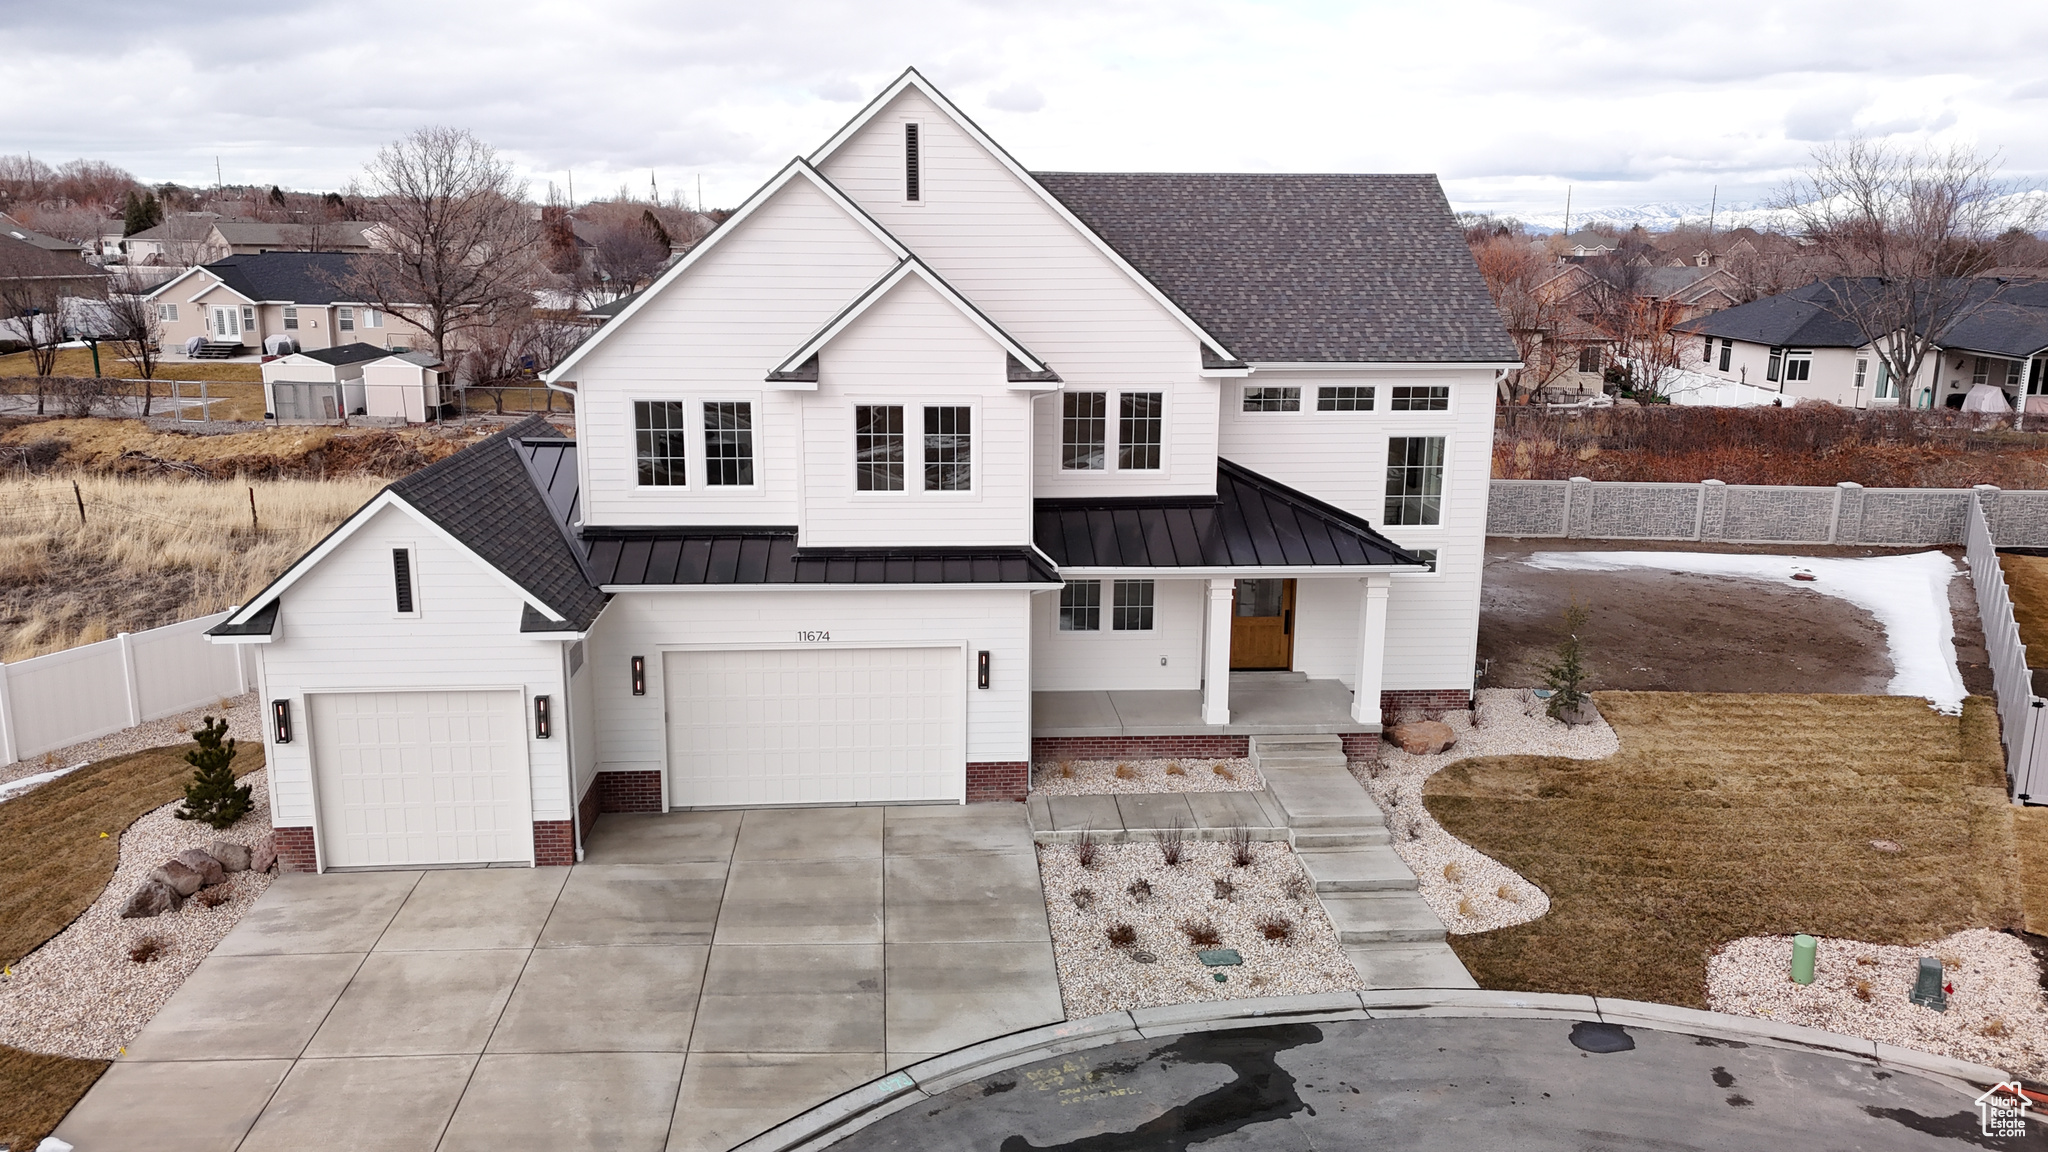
[1097, 976]
[80, 994]
[1468, 890]
[1996, 1014]
[245, 723]
[1099, 777]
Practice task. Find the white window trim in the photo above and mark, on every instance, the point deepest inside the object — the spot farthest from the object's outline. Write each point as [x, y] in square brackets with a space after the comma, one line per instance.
[697, 468]
[1313, 395]
[977, 441]
[1109, 607]
[635, 490]
[913, 451]
[1443, 517]
[345, 320]
[412, 564]
[1114, 433]
[1308, 402]
[1383, 401]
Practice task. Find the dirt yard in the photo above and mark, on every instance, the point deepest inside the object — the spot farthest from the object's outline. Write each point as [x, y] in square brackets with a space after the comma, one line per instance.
[1655, 631]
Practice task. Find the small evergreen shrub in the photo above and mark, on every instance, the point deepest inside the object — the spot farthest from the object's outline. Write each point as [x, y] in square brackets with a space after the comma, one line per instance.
[1566, 679]
[212, 795]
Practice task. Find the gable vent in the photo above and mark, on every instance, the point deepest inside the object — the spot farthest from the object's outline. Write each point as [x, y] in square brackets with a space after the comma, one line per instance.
[401, 573]
[911, 191]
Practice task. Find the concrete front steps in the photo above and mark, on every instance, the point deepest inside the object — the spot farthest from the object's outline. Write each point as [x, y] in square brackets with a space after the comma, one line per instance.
[1390, 933]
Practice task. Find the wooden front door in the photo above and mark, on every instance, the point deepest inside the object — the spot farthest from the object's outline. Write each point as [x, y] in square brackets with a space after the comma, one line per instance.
[1262, 625]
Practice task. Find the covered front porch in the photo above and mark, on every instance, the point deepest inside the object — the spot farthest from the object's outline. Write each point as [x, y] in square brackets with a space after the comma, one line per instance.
[1259, 703]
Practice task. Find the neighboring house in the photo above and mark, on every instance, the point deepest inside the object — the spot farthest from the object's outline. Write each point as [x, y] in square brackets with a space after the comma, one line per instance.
[328, 384]
[917, 453]
[1796, 344]
[1580, 245]
[33, 272]
[1689, 291]
[202, 237]
[238, 303]
[11, 227]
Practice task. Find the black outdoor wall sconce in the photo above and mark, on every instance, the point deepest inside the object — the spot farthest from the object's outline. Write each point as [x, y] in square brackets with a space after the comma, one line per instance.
[281, 721]
[639, 675]
[542, 717]
[981, 670]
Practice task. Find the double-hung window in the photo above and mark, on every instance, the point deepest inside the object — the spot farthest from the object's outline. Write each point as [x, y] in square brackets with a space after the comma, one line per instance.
[1344, 398]
[728, 443]
[248, 318]
[1081, 606]
[1131, 607]
[346, 320]
[1272, 399]
[878, 447]
[948, 449]
[1421, 398]
[659, 437]
[1774, 368]
[1980, 370]
[1084, 431]
[1140, 426]
[167, 312]
[1862, 372]
[291, 317]
[1415, 480]
[372, 318]
[1589, 358]
[1727, 352]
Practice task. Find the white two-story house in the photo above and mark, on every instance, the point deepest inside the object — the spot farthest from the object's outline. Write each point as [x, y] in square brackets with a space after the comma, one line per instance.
[919, 467]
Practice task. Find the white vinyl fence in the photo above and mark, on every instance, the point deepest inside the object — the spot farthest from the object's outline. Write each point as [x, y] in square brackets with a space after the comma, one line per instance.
[2022, 716]
[82, 693]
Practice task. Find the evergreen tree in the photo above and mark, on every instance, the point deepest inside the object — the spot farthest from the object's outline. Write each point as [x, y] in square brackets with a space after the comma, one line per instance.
[212, 795]
[1567, 678]
[142, 211]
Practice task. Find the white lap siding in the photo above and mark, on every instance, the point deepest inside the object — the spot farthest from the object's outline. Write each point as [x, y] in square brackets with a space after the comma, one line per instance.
[1108, 659]
[339, 631]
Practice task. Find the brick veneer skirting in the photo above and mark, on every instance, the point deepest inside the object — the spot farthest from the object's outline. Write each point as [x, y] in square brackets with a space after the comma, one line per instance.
[997, 780]
[1361, 745]
[295, 850]
[638, 791]
[1049, 748]
[1424, 700]
[586, 809]
[554, 842]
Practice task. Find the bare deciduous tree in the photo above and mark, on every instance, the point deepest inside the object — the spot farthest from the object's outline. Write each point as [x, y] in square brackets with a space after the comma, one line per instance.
[32, 310]
[514, 355]
[460, 251]
[132, 327]
[1539, 318]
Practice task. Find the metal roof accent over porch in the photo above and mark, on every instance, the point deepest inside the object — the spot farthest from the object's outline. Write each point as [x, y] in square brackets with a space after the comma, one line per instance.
[1253, 521]
[710, 556]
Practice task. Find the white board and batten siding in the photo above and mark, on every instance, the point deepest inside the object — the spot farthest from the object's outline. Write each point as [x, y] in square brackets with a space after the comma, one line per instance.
[340, 634]
[1341, 458]
[635, 730]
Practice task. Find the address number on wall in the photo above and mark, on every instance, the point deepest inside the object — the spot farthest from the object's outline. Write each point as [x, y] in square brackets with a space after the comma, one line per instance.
[813, 637]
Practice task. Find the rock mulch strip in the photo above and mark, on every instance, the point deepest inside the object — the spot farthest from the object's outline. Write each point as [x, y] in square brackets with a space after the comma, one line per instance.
[1160, 964]
[1099, 777]
[1996, 1014]
[1468, 890]
[80, 994]
[245, 723]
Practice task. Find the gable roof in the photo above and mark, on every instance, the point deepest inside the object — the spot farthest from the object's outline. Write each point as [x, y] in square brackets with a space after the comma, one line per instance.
[22, 260]
[801, 365]
[333, 233]
[1342, 268]
[281, 277]
[182, 227]
[9, 226]
[1800, 318]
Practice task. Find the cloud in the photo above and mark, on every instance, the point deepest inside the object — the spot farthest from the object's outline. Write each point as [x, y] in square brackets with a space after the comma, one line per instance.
[1827, 118]
[839, 91]
[1019, 97]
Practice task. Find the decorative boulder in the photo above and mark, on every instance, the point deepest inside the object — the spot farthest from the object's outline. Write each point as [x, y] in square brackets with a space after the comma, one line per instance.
[202, 862]
[1423, 737]
[232, 857]
[179, 876]
[1585, 713]
[263, 855]
[152, 899]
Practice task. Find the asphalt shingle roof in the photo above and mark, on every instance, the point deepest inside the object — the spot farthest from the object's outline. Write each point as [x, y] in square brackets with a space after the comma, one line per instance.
[2014, 324]
[1300, 268]
[346, 354]
[290, 277]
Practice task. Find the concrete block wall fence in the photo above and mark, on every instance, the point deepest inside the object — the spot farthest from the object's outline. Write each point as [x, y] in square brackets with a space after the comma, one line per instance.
[1846, 513]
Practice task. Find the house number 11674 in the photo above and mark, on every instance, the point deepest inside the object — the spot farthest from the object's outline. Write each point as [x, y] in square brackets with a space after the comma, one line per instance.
[813, 637]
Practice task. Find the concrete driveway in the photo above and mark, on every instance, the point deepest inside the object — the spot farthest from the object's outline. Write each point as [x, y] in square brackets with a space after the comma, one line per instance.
[699, 978]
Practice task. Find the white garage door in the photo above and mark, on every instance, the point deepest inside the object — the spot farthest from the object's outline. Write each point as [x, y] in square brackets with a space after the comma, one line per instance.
[422, 778]
[815, 726]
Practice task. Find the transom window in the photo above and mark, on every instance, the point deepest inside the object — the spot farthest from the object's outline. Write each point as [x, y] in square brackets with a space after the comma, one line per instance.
[1421, 398]
[1344, 398]
[658, 441]
[878, 447]
[1084, 430]
[1272, 399]
[1141, 424]
[1132, 607]
[1081, 606]
[728, 442]
[948, 449]
[1415, 480]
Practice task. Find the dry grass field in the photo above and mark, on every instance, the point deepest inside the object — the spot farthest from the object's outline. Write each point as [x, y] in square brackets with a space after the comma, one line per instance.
[78, 362]
[151, 551]
[1730, 815]
[38, 1091]
[2026, 578]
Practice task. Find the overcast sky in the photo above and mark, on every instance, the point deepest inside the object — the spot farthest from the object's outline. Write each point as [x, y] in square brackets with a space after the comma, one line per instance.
[1628, 101]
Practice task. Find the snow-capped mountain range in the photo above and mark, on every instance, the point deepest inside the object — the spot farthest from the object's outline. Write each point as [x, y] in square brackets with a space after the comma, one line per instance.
[1658, 217]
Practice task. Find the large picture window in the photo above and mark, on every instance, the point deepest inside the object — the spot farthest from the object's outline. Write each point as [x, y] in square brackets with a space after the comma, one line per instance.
[1415, 480]
[658, 441]
[1084, 431]
[1131, 610]
[1081, 606]
[728, 443]
[878, 447]
[1141, 425]
[948, 449]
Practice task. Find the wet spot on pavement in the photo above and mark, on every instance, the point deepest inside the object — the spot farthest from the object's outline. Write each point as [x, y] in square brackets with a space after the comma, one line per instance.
[1601, 1039]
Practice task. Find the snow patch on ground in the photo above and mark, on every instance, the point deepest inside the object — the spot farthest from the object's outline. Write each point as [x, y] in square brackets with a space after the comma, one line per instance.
[1907, 594]
[13, 788]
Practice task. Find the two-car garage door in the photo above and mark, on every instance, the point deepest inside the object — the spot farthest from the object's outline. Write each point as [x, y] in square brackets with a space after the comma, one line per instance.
[808, 725]
[421, 778]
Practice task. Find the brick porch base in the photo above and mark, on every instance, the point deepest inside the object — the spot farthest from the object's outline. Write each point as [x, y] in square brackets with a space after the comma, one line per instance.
[637, 791]
[997, 780]
[1050, 748]
[1424, 700]
[295, 850]
[554, 843]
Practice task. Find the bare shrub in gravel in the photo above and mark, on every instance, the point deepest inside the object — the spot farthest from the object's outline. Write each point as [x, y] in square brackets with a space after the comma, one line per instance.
[1239, 838]
[1084, 899]
[147, 949]
[215, 896]
[1173, 844]
[1225, 890]
[1295, 888]
[1120, 935]
[1506, 893]
[1085, 849]
[1173, 768]
[1223, 770]
[1201, 933]
[1453, 873]
[1139, 891]
[1278, 929]
[1066, 769]
[1148, 776]
[1126, 772]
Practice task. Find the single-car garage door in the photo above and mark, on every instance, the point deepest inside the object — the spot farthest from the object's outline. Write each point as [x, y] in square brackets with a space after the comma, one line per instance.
[421, 778]
[815, 726]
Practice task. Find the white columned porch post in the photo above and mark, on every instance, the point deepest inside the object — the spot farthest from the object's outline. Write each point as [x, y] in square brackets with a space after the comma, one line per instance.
[1372, 648]
[1216, 654]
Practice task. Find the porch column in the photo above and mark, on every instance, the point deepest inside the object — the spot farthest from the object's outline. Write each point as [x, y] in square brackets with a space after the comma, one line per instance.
[1372, 648]
[1216, 654]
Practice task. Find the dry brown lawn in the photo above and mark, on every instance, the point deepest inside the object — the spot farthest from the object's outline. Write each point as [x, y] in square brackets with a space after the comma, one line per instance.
[78, 362]
[1730, 815]
[37, 1090]
[2030, 830]
[2026, 577]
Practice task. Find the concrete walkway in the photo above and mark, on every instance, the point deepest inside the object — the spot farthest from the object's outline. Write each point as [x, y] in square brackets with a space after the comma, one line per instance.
[1260, 702]
[700, 978]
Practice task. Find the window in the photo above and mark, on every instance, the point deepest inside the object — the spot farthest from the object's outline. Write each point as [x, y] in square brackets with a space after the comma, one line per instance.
[1415, 480]
[346, 320]
[1272, 399]
[1132, 608]
[728, 442]
[1979, 369]
[1084, 428]
[1589, 358]
[1081, 606]
[1727, 352]
[167, 312]
[948, 449]
[1140, 425]
[401, 577]
[2037, 379]
[372, 318]
[1885, 391]
[1426, 555]
[1344, 398]
[248, 318]
[1423, 397]
[2012, 373]
[1771, 369]
[878, 447]
[658, 438]
[1862, 370]
[291, 317]
[912, 177]
[1798, 366]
